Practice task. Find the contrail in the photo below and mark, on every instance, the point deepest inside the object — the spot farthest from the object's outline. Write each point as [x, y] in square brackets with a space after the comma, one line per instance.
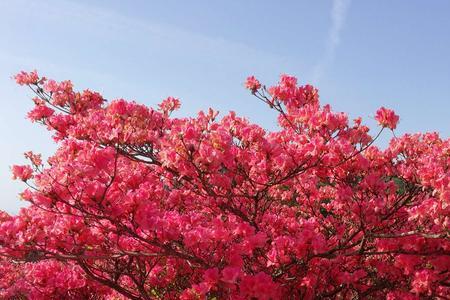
[338, 15]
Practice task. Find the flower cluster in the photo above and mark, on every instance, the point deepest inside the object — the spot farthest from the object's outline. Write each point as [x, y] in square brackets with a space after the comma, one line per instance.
[22, 172]
[252, 84]
[136, 204]
[387, 118]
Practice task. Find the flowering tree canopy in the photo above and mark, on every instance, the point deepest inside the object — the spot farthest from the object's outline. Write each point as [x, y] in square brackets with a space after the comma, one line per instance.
[138, 204]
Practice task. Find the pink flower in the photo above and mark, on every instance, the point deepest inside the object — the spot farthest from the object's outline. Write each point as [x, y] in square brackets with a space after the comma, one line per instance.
[170, 104]
[288, 81]
[230, 274]
[34, 158]
[211, 275]
[387, 118]
[22, 172]
[26, 195]
[259, 286]
[422, 281]
[224, 208]
[40, 112]
[252, 84]
[24, 78]
[51, 86]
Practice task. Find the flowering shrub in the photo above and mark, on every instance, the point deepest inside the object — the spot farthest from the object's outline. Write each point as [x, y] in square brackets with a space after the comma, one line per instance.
[137, 204]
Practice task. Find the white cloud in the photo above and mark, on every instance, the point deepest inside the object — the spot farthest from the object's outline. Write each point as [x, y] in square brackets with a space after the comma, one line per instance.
[338, 15]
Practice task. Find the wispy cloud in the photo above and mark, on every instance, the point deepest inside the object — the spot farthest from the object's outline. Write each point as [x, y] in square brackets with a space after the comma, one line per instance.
[338, 15]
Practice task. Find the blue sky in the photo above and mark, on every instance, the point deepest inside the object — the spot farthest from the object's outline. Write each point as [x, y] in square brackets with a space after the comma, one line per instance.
[360, 54]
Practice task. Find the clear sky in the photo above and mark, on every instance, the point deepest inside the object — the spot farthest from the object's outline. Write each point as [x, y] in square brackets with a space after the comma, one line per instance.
[360, 54]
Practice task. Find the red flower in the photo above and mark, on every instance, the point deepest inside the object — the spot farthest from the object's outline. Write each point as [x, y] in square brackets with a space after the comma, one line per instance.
[252, 84]
[22, 172]
[387, 118]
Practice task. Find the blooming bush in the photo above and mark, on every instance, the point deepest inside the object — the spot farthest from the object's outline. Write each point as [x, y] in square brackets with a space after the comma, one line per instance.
[137, 204]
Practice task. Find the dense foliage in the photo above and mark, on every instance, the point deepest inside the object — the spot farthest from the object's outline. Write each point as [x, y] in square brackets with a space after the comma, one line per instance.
[137, 204]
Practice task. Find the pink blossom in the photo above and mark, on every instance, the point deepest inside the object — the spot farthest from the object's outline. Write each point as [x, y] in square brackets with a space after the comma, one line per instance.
[34, 158]
[137, 204]
[422, 282]
[40, 112]
[22, 172]
[252, 84]
[387, 118]
[24, 78]
[230, 274]
[170, 104]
